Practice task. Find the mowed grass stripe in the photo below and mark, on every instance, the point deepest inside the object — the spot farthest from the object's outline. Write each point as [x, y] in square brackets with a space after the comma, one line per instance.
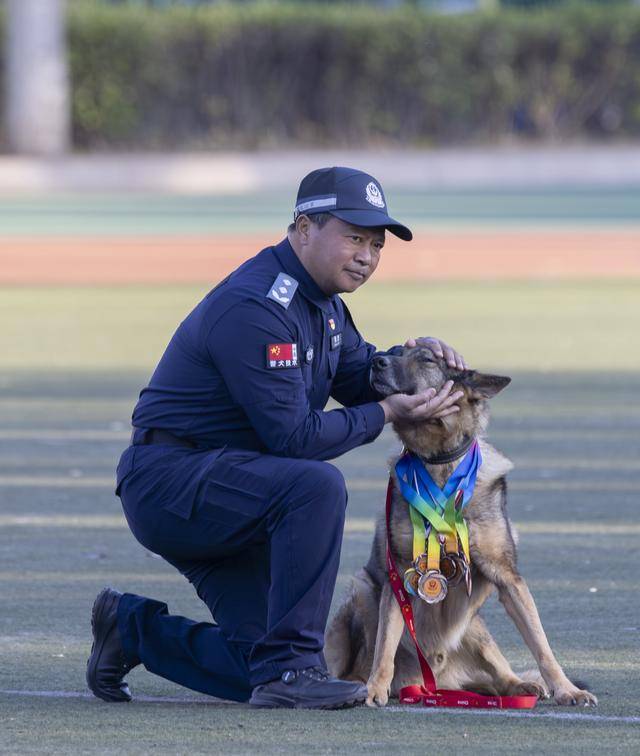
[551, 434]
[360, 484]
[502, 408]
[14, 462]
[39, 577]
[62, 434]
[54, 481]
[352, 525]
[497, 326]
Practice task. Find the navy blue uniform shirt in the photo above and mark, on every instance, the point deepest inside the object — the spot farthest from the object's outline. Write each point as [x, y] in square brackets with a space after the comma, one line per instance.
[244, 371]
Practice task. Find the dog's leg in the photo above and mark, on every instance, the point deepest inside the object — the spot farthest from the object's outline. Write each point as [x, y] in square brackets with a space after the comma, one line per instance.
[518, 601]
[479, 650]
[390, 628]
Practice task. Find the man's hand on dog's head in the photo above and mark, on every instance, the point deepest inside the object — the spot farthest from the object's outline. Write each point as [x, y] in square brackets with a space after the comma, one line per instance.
[427, 405]
[440, 349]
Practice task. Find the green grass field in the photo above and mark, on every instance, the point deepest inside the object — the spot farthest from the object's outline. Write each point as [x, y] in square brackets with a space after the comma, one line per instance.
[585, 327]
[73, 361]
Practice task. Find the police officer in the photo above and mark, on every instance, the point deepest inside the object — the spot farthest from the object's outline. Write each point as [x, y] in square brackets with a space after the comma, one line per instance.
[225, 476]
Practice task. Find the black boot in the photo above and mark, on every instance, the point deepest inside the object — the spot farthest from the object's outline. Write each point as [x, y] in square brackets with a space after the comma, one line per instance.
[107, 665]
[311, 688]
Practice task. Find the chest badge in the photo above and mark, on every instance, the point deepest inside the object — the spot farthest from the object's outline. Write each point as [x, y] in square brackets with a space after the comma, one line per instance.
[282, 355]
[283, 289]
[308, 355]
[332, 324]
[336, 341]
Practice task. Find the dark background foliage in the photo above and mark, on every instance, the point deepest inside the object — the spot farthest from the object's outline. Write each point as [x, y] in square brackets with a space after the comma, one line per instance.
[265, 75]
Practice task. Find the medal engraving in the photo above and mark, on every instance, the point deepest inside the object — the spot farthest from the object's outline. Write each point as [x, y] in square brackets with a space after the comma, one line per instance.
[432, 587]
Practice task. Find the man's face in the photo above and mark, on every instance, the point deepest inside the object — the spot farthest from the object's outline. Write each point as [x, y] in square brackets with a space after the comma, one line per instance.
[339, 257]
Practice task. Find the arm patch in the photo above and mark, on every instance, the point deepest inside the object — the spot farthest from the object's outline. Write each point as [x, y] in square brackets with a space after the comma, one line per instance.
[282, 356]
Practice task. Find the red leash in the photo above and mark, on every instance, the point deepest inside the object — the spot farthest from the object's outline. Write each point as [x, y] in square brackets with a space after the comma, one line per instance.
[428, 694]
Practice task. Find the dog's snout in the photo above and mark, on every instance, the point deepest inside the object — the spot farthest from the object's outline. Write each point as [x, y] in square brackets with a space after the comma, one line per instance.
[381, 362]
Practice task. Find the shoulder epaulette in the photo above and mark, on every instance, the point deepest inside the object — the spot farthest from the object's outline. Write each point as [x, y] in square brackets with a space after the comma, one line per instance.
[283, 289]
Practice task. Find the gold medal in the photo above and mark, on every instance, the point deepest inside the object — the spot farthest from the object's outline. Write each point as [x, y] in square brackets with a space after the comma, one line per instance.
[411, 580]
[432, 587]
[420, 563]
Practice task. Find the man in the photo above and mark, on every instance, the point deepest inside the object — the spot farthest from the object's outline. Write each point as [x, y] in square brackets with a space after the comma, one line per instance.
[225, 477]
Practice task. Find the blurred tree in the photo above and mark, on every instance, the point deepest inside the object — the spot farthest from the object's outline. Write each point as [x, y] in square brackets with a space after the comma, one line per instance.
[547, 3]
[37, 85]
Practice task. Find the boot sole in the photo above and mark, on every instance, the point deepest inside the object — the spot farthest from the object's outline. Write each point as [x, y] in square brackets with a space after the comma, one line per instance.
[288, 703]
[101, 607]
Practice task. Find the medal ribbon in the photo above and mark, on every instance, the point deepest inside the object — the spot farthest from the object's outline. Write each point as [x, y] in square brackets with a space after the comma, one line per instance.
[428, 693]
[441, 507]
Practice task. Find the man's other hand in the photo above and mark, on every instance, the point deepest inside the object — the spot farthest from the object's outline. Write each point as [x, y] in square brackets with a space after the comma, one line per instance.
[405, 408]
[440, 349]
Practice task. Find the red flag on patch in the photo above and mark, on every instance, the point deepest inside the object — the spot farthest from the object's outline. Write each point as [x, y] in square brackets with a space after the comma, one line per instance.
[282, 355]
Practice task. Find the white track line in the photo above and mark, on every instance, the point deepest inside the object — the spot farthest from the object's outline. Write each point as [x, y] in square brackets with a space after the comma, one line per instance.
[425, 710]
[209, 700]
[422, 710]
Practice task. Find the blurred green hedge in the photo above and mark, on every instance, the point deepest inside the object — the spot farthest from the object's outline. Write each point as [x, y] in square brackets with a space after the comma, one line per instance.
[250, 75]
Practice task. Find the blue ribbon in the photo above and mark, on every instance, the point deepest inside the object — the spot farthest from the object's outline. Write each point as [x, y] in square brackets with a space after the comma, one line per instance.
[419, 488]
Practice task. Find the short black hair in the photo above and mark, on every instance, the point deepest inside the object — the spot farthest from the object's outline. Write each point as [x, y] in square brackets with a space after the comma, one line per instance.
[318, 219]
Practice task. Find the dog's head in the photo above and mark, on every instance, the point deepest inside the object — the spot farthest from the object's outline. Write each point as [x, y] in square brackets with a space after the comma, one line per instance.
[410, 370]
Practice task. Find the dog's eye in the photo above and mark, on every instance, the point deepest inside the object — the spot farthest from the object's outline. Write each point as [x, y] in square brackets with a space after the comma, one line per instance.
[425, 358]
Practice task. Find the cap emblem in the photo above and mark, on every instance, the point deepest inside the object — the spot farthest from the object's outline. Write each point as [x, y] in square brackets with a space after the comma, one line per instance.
[374, 195]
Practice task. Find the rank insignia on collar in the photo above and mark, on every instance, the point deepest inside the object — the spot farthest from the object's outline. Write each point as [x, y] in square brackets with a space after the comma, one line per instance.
[336, 341]
[283, 289]
[282, 355]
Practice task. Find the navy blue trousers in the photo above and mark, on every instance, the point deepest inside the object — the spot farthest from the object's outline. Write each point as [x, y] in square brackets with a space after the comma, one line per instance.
[259, 538]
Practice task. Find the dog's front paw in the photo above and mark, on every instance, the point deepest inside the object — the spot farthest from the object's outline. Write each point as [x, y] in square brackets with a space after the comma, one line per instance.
[574, 697]
[377, 694]
[524, 688]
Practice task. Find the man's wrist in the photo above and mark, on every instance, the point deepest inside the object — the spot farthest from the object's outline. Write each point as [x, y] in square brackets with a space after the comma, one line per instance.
[386, 408]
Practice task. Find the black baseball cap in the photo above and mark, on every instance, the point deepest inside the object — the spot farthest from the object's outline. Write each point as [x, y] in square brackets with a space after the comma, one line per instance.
[351, 195]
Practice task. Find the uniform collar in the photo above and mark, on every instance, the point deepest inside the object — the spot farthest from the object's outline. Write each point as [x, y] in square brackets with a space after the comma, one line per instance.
[291, 264]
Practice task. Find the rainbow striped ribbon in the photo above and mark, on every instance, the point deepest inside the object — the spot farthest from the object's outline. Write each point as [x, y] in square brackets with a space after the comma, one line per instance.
[435, 507]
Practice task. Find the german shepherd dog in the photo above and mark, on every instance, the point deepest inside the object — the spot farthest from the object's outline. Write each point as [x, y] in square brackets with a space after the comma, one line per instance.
[367, 640]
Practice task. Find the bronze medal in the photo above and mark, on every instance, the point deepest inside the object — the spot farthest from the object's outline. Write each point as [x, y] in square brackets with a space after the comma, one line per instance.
[448, 567]
[411, 580]
[432, 587]
[453, 568]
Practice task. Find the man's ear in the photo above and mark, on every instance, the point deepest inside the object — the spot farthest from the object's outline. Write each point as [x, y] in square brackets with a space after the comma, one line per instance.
[303, 227]
[483, 385]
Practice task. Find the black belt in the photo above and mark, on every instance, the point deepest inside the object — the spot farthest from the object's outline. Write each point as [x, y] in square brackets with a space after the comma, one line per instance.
[158, 436]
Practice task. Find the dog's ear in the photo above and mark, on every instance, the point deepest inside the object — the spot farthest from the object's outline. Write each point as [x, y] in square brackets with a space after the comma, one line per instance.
[484, 385]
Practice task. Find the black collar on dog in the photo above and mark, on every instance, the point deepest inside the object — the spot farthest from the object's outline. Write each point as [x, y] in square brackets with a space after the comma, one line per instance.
[450, 456]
